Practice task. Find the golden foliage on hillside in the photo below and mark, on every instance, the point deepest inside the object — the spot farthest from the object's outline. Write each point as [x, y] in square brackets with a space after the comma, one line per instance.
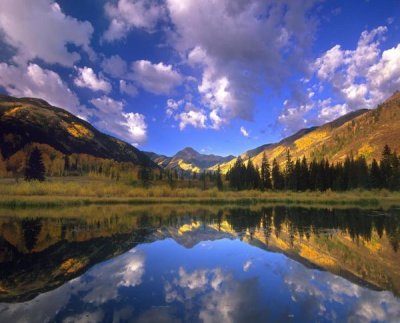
[360, 134]
[79, 131]
[58, 164]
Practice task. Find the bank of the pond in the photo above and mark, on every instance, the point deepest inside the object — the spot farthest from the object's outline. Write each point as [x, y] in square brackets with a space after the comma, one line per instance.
[282, 198]
[87, 191]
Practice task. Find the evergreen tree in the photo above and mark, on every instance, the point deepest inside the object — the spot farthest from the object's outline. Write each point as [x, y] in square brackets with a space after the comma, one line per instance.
[313, 175]
[362, 172]
[265, 174]
[203, 178]
[386, 166]
[375, 180]
[347, 173]
[304, 175]
[395, 179]
[338, 183]
[289, 168]
[35, 169]
[277, 177]
[297, 175]
[252, 176]
[66, 164]
[171, 181]
[237, 175]
[220, 184]
[145, 175]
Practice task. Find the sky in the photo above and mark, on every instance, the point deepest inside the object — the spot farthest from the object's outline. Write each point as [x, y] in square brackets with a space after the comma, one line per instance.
[221, 76]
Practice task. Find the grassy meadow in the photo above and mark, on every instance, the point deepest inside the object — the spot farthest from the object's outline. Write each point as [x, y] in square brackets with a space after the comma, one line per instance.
[66, 191]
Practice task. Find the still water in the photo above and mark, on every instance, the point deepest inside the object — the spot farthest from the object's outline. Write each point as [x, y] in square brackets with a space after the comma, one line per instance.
[179, 264]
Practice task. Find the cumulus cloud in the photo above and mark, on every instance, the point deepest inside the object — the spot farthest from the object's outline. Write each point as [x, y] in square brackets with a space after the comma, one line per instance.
[34, 81]
[127, 125]
[128, 14]
[172, 106]
[88, 79]
[127, 88]
[244, 132]
[115, 66]
[155, 78]
[193, 117]
[39, 29]
[360, 78]
[239, 47]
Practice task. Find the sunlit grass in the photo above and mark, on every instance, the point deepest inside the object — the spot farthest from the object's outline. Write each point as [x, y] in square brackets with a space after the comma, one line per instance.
[85, 191]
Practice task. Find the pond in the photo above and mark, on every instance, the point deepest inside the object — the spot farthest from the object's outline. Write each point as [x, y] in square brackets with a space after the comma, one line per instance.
[175, 263]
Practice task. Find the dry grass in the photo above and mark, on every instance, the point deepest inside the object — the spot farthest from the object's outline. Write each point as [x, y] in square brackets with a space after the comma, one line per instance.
[80, 191]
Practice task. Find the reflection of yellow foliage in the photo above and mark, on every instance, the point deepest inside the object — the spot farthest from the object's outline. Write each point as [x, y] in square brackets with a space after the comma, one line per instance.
[72, 265]
[12, 112]
[310, 139]
[188, 227]
[79, 131]
[315, 256]
[366, 150]
[373, 245]
[281, 244]
[2, 289]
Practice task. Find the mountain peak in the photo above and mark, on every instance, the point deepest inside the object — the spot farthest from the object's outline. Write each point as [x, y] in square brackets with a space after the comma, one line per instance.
[187, 152]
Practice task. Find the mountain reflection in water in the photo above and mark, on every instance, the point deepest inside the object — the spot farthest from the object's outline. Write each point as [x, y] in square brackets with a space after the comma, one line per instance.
[123, 263]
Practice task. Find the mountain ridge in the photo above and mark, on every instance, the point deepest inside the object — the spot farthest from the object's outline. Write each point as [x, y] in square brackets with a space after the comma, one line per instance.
[30, 120]
[188, 159]
[361, 132]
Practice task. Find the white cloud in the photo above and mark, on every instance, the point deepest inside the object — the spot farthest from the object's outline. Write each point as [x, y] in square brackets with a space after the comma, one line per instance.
[39, 29]
[129, 126]
[155, 78]
[88, 79]
[247, 265]
[34, 81]
[239, 47]
[192, 117]
[128, 14]
[360, 78]
[384, 76]
[244, 132]
[293, 117]
[115, 66]
[127, 88]
[172, 106]
[327, 64]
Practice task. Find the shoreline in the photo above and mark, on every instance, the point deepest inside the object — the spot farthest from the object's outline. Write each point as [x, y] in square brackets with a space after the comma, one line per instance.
[294, 199]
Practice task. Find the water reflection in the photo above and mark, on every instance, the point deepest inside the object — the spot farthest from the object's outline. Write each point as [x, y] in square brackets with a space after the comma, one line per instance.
[121, 263]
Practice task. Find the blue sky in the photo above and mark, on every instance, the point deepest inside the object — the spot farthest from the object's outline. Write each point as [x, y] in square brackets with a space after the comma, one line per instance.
[220, 76]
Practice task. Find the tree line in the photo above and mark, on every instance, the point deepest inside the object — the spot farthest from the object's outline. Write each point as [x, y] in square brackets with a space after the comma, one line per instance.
[301, 175]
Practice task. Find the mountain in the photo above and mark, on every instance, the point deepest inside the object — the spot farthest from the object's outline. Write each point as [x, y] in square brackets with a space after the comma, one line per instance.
[362, 132]
[188, 159]
[26, 121]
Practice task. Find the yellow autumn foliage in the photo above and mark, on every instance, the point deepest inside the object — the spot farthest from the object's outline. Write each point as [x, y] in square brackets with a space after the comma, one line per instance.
[79, 131]
[315, 256]
[188, 227]
[12, 112]
[188, 167]
[366, 150]
[310, 139]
